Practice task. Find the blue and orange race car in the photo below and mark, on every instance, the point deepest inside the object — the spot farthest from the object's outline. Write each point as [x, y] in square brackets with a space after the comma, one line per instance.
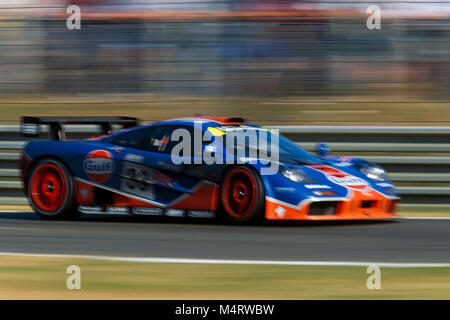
[195, 167]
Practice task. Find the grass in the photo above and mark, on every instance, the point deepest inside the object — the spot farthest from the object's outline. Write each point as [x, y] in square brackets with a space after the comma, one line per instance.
[424, 211]
[265, 111]
[45, 278]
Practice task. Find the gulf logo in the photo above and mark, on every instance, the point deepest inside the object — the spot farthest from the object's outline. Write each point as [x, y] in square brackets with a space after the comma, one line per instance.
[99, 165]
[349, 181]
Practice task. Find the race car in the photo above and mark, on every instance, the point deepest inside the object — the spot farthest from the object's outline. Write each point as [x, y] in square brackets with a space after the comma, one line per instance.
[201, 167]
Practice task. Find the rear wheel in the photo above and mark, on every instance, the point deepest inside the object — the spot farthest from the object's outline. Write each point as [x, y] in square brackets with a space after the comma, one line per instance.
[242, 195]
[50, 189]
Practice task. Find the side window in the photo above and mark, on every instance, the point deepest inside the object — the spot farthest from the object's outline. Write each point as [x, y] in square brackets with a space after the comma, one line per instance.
[128, 139]
[155, 139]
[135, 138]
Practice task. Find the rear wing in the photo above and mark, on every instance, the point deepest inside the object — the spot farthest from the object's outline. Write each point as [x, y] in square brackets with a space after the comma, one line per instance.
[30, 126]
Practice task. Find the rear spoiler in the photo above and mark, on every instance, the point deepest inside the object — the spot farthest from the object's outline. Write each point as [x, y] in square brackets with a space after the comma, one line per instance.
[30, 126]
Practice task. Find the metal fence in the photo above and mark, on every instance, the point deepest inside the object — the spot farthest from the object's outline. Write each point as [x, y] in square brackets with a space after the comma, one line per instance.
[417, 158]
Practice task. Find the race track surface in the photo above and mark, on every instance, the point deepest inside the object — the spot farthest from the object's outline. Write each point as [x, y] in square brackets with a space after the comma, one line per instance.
[397, 241]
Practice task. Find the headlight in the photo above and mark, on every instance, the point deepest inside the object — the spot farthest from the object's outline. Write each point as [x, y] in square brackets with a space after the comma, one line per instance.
[374, 172]
[294, 174]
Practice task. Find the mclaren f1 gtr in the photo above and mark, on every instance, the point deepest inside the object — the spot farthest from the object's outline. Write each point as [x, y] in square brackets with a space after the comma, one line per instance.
[200, 167]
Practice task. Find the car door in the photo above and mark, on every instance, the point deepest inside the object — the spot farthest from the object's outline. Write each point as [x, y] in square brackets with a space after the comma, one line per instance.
[147, 170]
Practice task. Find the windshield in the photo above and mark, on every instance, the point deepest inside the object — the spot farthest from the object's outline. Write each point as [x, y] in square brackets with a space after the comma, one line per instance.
[289, 152]
[254, 141]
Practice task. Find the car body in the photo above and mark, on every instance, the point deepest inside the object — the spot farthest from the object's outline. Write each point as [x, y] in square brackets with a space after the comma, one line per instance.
[137, 171]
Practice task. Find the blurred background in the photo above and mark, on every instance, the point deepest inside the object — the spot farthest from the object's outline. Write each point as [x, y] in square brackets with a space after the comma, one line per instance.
[303, 63]
[274, 62]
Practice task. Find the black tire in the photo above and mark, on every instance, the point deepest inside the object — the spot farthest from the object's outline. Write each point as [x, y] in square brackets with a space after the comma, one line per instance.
[50, 190]
[242, 196]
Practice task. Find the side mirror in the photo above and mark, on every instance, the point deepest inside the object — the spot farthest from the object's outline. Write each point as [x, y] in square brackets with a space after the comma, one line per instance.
[323, 149]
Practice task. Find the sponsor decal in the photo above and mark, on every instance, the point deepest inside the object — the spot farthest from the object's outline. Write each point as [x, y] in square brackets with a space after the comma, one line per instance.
[147, 211]
[229, 128]
[140, 180]
[99, 165]
[385, 185]
[161, 144]
[343, 164]
[116, 149]
[84, 193]
[201, 214]
[146, 175]
[91, 209]
[162, 179]
[136, 179]
[280, 211]
[175, 213]
[317, 186]
[324, 193]
[285, 189]
[345, 159]
[349, 181]
[216, 132]
[344, 179]
[133, 158]
[116, 210]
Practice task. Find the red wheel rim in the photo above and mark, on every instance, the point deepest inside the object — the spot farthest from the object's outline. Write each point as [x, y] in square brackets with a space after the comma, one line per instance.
[48, 187]
[239, 193]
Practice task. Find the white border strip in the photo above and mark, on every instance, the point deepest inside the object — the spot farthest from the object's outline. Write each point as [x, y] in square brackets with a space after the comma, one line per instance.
[232, 261]
[424, 218]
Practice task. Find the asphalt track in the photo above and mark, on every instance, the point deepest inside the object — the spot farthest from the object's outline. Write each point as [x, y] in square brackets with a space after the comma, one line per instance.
[402, 241]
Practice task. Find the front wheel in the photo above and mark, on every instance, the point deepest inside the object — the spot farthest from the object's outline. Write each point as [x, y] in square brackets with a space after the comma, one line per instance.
[242, 195]
[50, 190]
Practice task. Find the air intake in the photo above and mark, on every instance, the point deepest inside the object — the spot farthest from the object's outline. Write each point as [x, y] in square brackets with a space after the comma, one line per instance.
[323, 208]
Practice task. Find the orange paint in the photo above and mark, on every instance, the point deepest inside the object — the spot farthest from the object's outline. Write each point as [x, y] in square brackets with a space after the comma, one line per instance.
[350, 209]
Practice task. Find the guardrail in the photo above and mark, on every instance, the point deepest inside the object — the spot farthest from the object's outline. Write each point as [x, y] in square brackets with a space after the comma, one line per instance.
[416, 158]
